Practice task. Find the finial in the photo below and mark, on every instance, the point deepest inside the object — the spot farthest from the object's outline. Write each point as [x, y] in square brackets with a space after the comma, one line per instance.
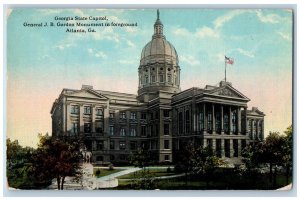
[158, 14]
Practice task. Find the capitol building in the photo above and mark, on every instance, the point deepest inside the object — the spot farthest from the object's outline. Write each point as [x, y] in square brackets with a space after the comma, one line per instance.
[161, 117]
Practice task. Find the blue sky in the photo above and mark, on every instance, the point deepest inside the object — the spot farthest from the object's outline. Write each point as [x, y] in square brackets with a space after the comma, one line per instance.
[40, 62]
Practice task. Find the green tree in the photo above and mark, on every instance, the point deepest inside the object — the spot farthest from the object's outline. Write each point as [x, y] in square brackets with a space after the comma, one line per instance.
[272, 152]
[57, 158]
[19, 167]
[204, 162]
[287, 154]
[144, 180]
[252, 155]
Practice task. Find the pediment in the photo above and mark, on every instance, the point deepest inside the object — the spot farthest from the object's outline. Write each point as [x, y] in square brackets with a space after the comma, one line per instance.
[255, 111]
[229, 92]
[88, 93]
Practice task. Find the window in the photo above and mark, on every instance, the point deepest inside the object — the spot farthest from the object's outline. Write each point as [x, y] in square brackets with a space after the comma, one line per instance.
[112, 157]
[87, 127]
[201, 120]
[133, 145]
[132, 132]
[122, 145]
[122, 157]
[254, 130]
[74, 109]
[153, 78]
[112, 145]
[166, 129]
[123, 115]
[99, 126]
[169, 78]
[122, 132]
[187, 121]
[146, 79]
[99, 112]
[234, 121]
[161, 78]
[166, 144]
[132, 115]
[74, 129]
[250, 126]
[180, 122]
[209, 120]
[87, 109]
[111, 130]
[166, 113]
[167, 158]
[226, 123]
[175, 80]
[143, 131]
[111, 115]
[100, 145]
[218, 122]
[99, 158]
[143, 115]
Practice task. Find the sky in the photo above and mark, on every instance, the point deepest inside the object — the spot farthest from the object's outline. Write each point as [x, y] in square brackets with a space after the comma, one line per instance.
[43, 61]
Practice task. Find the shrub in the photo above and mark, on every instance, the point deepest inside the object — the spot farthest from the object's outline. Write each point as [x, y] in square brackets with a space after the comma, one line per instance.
[110, 167]
[169, 170]
[98, 172]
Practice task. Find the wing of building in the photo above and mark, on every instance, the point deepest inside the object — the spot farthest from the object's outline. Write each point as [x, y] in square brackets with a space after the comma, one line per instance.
[161, 117]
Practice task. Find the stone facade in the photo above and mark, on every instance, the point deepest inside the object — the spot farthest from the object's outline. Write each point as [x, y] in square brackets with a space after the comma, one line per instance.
[161, 117]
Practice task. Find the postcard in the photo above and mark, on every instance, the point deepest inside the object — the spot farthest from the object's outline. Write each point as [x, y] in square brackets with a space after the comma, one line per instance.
[149, 99]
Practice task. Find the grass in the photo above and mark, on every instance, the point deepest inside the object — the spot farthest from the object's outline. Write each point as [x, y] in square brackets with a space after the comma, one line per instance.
[104, 172]
[152, 172]
[225, 182]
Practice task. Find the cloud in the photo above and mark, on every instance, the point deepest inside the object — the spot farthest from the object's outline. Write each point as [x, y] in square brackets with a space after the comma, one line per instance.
[90, 50]
[100, 54]
[189, 60]
[62, 47]
[206, 32]
[245, 52]
[181, 32]
[130, 43]
[127, 61]
[220, 21]
[285, 36]
[270, 18]
[202, 32]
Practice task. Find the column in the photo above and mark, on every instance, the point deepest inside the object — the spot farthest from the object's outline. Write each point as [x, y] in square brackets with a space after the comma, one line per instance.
[93, 119]
[230, 121]
[239, 124]
[81, 123]
[262, 130]
[222, 120]
[246, 121]
[213, 120]
[204, 142]
[257, 128]
[231, 148]
[239, 148]
[252, 129]
[204, 120]
[213, 145]
[222, 148]
[68, 119]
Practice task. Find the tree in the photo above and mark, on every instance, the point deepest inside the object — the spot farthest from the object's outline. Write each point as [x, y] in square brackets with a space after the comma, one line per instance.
[272, 151]
[252, 155]
[57, 158]
[19, 167]
[287, 154]
[141, 158]
[204, 162]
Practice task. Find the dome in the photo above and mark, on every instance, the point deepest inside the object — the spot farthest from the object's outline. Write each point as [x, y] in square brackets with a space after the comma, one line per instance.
[158, 49]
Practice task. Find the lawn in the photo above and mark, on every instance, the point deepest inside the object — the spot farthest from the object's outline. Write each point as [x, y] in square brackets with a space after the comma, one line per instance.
[152, 172]
[104, 172]
[228, 181]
